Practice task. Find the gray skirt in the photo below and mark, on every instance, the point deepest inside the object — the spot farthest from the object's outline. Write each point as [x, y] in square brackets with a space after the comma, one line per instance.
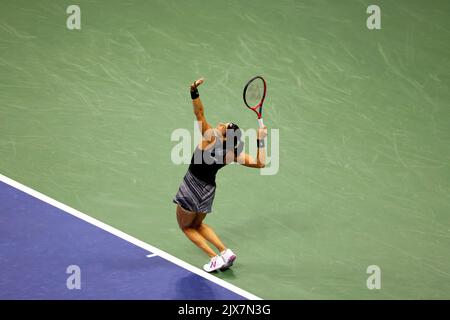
[195, 195]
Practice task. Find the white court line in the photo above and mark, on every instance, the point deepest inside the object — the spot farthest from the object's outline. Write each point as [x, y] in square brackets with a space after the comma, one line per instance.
[128, 238]
[151, 255]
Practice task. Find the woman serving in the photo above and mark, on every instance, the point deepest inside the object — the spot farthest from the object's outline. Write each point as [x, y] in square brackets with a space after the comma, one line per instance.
[219, 146]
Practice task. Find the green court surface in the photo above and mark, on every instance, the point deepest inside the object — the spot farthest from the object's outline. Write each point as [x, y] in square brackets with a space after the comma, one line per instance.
[86, 117]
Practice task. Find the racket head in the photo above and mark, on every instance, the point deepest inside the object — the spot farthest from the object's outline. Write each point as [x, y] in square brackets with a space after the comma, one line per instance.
[254, 94]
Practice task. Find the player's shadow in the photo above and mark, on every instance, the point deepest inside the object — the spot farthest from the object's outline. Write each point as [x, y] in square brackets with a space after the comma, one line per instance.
[227, 274]
[194, 287]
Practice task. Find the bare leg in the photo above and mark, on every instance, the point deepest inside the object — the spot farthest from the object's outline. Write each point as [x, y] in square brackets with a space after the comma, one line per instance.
[199, 241]
[208, 233]
[185, 221]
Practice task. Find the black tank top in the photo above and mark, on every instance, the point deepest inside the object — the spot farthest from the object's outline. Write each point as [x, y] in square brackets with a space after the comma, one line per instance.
[205, 163]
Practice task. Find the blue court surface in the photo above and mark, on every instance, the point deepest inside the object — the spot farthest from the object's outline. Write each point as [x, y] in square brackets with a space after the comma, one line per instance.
[39, 241]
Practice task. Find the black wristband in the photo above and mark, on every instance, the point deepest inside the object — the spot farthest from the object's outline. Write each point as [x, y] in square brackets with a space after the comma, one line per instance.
[194, 93]
[260, 143]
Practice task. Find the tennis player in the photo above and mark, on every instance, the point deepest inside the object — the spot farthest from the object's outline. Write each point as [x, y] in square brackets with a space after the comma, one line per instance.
[219, 146]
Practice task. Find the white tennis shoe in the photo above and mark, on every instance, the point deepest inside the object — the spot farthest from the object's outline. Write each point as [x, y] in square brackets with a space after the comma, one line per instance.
[228, 257]
[214, 264]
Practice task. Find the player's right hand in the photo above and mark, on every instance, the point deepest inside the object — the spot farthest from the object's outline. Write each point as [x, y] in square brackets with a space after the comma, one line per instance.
[262, 133]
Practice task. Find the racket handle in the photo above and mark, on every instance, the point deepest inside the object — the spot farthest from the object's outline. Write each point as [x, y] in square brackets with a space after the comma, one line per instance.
[261, 124]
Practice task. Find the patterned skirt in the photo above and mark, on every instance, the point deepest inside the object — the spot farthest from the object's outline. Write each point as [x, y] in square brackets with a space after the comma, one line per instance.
[195, 195]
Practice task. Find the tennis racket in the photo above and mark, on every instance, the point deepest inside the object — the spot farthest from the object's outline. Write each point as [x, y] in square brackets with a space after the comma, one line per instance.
[254, 95]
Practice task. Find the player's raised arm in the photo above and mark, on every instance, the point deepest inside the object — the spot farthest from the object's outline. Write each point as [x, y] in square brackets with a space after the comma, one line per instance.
[198, 107]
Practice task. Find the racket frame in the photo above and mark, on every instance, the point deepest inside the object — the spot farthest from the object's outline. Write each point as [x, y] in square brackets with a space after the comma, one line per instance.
[260, 104]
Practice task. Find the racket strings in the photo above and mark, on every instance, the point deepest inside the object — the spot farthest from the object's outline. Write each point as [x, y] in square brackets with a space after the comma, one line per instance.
[254, 93]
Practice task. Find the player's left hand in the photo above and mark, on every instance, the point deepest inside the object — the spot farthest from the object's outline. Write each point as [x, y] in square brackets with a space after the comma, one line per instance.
[197, 83]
